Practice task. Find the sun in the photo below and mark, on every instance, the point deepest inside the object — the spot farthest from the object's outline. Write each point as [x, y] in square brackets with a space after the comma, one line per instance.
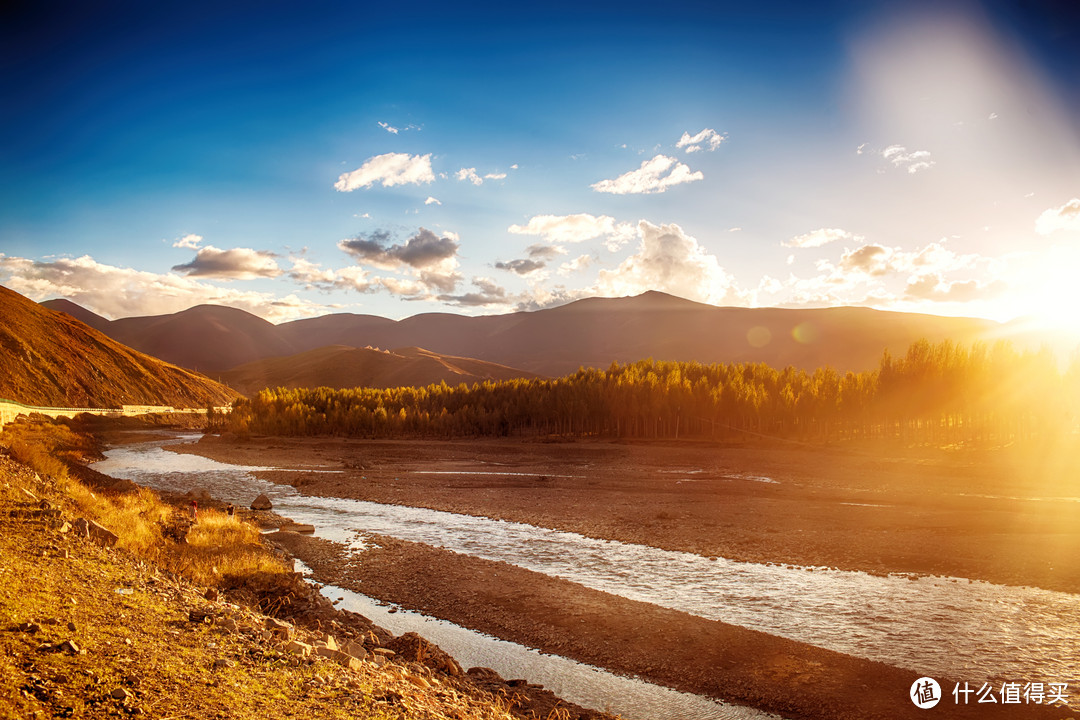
[1049, 291]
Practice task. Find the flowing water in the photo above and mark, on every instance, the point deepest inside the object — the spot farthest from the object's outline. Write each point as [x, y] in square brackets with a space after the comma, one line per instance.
[946, 627]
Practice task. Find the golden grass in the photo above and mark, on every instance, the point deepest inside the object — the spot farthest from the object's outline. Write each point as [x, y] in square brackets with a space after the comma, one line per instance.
[216, 546]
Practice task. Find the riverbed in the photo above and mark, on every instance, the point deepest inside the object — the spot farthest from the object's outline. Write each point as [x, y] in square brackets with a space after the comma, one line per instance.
[948, 627]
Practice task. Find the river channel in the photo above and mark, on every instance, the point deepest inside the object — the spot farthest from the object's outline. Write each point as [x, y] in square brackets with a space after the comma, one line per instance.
[953, 628]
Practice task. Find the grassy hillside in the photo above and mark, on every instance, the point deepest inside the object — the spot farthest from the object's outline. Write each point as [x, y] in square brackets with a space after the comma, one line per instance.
[50, 358]
[142, 627]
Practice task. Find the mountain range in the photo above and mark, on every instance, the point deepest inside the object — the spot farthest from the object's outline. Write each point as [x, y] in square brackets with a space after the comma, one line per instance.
[591, 332]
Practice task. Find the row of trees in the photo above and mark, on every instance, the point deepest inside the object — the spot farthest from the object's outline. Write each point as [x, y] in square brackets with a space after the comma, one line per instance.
[936, 392]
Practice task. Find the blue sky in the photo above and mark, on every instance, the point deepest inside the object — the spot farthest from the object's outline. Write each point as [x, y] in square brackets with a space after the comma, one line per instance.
[294, 160]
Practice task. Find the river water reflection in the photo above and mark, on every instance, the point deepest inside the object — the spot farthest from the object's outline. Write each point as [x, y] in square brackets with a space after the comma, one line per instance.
[943, 627]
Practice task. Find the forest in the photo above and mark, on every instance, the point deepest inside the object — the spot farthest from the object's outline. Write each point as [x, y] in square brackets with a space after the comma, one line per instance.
[936, 393]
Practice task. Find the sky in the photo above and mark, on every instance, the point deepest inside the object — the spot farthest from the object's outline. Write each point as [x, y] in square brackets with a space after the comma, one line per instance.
[297, 159]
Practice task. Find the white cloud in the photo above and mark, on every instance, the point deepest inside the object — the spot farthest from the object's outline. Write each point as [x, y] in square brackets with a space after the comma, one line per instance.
[650, 178]
[470, 175]
[933, 287]
[575, 228]
[819, 237]
[233, 264]
[191, 242]
[432, 201]
[670, 260]
[514, 166]
[913, 162]
[695, 143]
[389, 169]
[388, 128]
[859, 150]
[578, 264]
[116, 292]
[1066, 217]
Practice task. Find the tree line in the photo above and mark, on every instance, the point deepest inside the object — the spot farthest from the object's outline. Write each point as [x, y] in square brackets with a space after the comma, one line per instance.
[941, 392]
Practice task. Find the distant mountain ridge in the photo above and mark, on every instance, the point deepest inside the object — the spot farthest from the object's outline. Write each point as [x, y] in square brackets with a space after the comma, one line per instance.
[342, 366]
[591, 332]
[53, 359]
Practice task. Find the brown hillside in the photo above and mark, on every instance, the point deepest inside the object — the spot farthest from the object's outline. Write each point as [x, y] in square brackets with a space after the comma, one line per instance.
[206, 338]
[340, 366]
[51, 359]
[592, 332]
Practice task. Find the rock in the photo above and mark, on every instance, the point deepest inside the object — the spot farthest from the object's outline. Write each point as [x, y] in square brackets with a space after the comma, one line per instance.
[120, 694]
[415, 648]
[262, 503]
[229, 624]
[379, 660]
[330, 642]
[279, 628]
[69, 646]
[341, 658]
[223, 663]
[297, 528]
[29, 627]
[97, 533]
[387, 652]
[298, 648]
[211, 594]
[355, 649]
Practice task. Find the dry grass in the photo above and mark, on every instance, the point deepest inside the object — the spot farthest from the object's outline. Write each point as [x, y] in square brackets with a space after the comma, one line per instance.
[216, 546]
[219, 545]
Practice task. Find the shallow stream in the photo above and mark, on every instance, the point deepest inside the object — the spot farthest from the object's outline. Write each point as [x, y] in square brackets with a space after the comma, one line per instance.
[943, 627]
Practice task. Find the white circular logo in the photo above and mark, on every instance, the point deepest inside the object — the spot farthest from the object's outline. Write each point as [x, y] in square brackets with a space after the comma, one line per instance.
[925, 692]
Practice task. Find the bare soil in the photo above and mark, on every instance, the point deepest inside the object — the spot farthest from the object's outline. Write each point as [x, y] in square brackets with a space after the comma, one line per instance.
[688, 653]
[1005, 515]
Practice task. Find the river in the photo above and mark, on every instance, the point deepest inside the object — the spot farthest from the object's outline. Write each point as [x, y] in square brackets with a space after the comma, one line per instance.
[966, 630]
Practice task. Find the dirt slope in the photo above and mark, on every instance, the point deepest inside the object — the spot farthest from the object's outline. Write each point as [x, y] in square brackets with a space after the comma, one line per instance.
[51, 359]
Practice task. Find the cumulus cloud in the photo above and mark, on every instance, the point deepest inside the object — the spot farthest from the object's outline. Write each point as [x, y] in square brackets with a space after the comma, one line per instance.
[488, 292]
[190, 242]
[575, 228]
[521, 266]
[1066, 217]
[581, 262]
[819, 237]
[670, 260]
[913, 161]
[544, 252]
[707, 138]
[868, 259]
[654, 176]
[472, 176]
[389, 169]
[429, 259]
[116, 292]
[878, 260]
[933, 287]
[432, 201]
[233, 264]
[423, 250]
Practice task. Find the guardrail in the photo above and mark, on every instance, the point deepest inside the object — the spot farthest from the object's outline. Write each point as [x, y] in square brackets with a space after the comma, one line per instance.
[10, 409]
